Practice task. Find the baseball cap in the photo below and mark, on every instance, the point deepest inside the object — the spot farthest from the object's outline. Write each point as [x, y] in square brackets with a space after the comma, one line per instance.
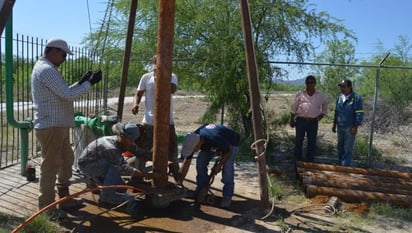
[345, 82]
[129, 130]
[59, 43]
[189, 143]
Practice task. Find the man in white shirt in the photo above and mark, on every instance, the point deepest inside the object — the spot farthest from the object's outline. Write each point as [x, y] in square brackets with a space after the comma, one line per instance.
[147, 88]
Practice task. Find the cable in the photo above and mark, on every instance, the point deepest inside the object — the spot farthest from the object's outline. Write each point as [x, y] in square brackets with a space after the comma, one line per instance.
[66, 198]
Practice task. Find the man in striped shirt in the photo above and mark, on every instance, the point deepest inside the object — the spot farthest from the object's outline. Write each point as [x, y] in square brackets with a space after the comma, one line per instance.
[53, 118]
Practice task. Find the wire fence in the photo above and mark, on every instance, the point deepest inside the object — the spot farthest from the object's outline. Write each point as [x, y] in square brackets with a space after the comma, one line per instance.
[188, 108]
[102, 100]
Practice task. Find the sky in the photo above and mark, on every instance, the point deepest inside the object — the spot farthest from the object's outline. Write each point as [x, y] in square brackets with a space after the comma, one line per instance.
[371, 20]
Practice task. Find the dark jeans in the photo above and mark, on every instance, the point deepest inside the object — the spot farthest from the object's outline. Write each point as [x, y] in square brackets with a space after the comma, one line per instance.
[146, 142]
[307, 127]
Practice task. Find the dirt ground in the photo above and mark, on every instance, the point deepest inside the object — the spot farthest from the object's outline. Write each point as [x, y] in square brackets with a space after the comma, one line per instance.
[292, 213]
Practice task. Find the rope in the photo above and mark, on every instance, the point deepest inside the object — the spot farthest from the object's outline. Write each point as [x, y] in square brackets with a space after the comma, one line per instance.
[253, 146]
[66, 198]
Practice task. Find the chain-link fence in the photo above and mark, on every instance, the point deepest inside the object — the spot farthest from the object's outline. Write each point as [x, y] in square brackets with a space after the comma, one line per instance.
[103, 99]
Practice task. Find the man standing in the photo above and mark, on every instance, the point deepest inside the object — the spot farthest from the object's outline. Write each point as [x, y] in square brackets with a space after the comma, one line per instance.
[147, 87]
[212, 140]
[348, 117]
[53, 118]
[309, 107]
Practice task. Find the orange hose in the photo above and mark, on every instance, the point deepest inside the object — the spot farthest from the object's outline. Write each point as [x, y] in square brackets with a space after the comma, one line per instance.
[61, 200]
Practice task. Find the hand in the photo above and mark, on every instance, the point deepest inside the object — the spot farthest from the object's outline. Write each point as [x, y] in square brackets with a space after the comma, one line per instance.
[135, 109]
[354, 130]
[96, 77]
[85, 77]
[216, 169]
[292, 123]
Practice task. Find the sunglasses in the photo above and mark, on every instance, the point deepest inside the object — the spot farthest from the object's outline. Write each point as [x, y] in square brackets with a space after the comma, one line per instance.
[63, 53]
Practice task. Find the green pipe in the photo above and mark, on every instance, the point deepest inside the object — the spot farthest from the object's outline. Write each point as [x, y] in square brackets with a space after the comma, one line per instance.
[25, 126]
[100, 125]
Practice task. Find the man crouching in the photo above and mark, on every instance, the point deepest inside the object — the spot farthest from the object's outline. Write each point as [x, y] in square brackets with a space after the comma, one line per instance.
[103, 162]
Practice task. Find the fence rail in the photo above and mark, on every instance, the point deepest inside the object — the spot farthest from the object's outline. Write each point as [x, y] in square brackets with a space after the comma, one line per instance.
[26, 51]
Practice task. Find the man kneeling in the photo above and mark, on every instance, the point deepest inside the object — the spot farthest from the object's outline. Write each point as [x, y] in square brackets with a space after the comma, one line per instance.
[103, 162]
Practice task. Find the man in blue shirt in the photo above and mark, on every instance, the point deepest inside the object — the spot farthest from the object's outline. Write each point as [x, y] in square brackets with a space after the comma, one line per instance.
[348, 116]
[212, 140]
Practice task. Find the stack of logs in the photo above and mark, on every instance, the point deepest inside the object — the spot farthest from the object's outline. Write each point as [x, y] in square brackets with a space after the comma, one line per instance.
[356, 185]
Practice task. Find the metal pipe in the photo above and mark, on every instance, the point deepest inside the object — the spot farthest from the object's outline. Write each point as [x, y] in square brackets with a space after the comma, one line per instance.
[165, 37]
[24, 126]
[126, 57]
[375, 101]
[253, 78]
[344, 65]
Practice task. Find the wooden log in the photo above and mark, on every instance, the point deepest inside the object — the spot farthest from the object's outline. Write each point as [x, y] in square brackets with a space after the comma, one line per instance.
[358, 179]
[336, 168]
[349, 195]
[355, 184]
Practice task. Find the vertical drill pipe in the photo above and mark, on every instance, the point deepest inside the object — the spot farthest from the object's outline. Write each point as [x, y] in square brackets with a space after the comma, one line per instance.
[165, 37]
[255, 100]
[126, 58]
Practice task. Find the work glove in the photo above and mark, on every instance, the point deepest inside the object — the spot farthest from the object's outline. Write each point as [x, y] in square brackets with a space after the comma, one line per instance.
[96, 77]
[85, 77]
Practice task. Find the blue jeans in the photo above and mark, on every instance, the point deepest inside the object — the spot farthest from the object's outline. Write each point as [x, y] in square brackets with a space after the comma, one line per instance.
[310, 128]
[104, 173]
[346, 143]
[228, 172]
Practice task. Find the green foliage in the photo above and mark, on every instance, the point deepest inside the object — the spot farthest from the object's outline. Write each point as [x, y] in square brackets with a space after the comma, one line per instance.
[337, 52]
[8, 222]
[386, 210]
[245, 152]
[41, 224]
[393, 87]
[209, 53]
[361, 150]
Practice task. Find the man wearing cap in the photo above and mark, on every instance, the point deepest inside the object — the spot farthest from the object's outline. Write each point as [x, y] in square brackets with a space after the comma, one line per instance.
[309, 107]
[53, 118]
[211, 140]
[348, 117]
[102, 161]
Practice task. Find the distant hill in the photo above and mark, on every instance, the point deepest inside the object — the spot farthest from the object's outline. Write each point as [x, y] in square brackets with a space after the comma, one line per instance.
[295, 82]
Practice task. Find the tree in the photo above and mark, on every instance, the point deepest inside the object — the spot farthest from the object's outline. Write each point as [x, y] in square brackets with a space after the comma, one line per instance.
[337, 52]
[208, 47]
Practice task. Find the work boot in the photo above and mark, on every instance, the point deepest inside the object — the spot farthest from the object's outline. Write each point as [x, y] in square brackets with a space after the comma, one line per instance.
[225, 203]
[174, 170]
[74, 202]
[91, 184]
[201, 196]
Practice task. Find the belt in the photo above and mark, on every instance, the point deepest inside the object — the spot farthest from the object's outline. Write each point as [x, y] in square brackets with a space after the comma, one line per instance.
[308, 118]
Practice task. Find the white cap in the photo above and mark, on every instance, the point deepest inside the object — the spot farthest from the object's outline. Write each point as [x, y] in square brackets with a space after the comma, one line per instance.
[59, 43]
[189, 143]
